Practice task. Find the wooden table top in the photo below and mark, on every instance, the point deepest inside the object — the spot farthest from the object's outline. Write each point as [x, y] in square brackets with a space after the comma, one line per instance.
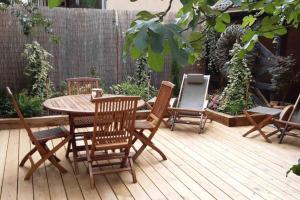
[77, 104]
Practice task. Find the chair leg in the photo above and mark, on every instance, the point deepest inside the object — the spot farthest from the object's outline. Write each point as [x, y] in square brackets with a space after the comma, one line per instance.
[68, 149]
[124, 160]
[92, 180]
[57, 165]
[136, 155]
[173, 122]
[132, 170]
[45, 154]
[26, 157]
[283, 131]
[54, 160]
[75, 155]
[90, 167]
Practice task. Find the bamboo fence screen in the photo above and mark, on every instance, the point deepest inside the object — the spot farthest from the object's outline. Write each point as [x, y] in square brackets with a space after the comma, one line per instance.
[89, 38]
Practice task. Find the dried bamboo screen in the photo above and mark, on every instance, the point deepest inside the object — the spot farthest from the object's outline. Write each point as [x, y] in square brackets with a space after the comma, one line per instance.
[88, 38]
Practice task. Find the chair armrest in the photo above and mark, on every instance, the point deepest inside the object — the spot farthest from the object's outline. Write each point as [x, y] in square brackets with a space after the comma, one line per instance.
[142, 114]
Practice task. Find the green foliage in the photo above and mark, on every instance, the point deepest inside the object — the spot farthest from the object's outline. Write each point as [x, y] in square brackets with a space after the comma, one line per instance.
[142, 73]
[5, 106]
[130, 88]
[37, 70]
[54, 3]
[209, 50]
[29, 105]
[284, 74]
[138, 84]
[149, 35]
[32, 20]
[235, 97]
[295, 169]
[175, 79]
[61, 90]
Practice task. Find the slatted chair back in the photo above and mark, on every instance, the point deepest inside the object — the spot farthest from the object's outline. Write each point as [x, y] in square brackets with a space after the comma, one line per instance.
[113, 123]
[161, 104]
[82, 85]
[295, 115]
[22, 120]
[193, 92]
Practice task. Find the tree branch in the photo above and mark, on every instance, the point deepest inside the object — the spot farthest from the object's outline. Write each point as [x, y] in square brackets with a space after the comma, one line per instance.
[161, 17]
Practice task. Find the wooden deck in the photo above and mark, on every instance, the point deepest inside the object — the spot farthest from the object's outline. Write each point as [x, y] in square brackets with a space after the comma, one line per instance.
[219, 164]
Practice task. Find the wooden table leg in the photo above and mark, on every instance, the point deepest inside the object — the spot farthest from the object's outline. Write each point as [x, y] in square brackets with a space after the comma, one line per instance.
[258, 126]
[73, 142]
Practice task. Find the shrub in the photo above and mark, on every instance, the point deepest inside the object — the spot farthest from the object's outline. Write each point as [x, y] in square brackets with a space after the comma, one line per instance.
[37, 70]
[129, 88]
[30, 106]
[235, 97]
[5, 106]
[139, 84]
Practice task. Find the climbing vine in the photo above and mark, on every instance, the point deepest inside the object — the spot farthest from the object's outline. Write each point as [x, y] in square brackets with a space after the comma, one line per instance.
[209, 50]
[37, 69]
[235, 97]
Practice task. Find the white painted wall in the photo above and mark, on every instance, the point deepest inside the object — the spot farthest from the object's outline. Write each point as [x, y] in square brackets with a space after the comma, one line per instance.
[151, 5]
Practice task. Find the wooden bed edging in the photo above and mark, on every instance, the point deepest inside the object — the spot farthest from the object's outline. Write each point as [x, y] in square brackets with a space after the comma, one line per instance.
[231, 121]
[53, 120]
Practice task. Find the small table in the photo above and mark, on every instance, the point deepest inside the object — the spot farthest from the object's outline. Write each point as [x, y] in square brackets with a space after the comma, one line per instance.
[74, 106]
[270, 113]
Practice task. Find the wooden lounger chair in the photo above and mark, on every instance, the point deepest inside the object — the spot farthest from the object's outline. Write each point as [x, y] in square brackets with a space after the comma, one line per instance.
[192, 101]
[113, 127]
[293, 122]
[39, 140]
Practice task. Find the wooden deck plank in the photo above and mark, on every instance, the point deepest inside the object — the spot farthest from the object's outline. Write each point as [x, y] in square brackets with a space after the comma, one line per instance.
[150, 188]
[55, 183]
[213, 184]
[165, 188]
[219, 164]
[4, 137]
[10, 179]
[275, 179]
[25, 188]
[197, 189]
[237, 169]
[70, 183]
[260, 151]
[40, 180]
[184, 192]
[263, 169]
[211, 163]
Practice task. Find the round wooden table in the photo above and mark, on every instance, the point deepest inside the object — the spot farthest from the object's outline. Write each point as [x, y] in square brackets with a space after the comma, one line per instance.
[76, 106]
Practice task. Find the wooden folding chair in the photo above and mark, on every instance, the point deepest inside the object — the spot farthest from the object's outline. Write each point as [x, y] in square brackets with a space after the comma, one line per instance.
[113, 127]
[153, 121]
[82, 85]
[293, 122]
[76, 86]
[39, 140]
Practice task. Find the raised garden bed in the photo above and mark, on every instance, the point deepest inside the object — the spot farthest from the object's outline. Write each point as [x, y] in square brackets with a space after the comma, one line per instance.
[231, 121]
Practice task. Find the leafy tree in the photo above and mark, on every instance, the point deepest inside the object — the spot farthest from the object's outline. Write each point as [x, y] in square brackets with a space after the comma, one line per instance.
[150, 36]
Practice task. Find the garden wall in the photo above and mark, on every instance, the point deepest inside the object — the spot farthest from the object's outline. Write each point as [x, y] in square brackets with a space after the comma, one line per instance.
[88, 38]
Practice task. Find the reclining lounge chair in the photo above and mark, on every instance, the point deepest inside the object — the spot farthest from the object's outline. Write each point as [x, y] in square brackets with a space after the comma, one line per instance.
[191, 102]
